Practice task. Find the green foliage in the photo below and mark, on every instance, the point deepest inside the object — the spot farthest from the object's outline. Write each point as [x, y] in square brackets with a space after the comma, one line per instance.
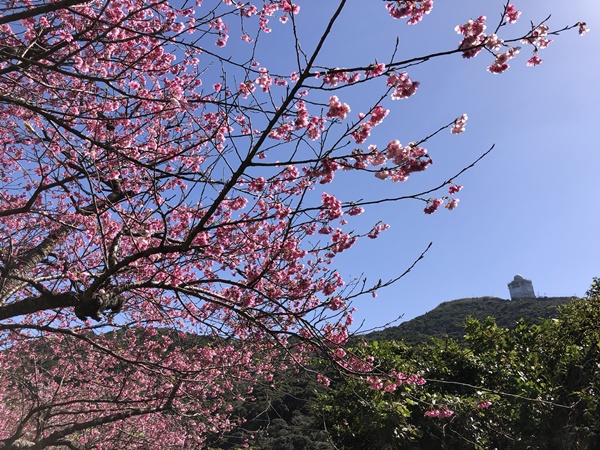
[359, 417]
[277, 416]
[594, 290]
[542, 380]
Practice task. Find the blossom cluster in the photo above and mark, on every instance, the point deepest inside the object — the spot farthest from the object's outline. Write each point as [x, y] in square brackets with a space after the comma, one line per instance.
[512, 14]
[332, 207]
[439, 413]
[338, 76]
[451, 203]
[474, 36]
[475, 40]
[413, 9]
[538, 37]
[501, 60]
[393, 381]
[459, 124]
[404, 86]
[363, 131]
[313, 126]
[337, 108]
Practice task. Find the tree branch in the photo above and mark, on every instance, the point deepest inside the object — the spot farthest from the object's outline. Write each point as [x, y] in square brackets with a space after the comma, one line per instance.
[49, 7]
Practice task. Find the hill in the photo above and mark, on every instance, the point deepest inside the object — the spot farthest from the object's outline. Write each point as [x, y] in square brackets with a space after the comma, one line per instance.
[448, 317]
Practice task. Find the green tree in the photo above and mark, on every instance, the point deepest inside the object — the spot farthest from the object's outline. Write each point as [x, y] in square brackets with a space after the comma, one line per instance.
[534, 386]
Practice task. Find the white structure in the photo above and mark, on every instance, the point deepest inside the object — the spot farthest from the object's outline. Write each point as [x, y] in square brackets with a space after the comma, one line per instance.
[521, 288]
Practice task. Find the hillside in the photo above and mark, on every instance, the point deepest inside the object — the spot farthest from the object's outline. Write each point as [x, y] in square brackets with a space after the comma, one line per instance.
[447, 318]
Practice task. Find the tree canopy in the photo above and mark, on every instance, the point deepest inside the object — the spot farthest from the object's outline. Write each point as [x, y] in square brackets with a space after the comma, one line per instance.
[533, 386]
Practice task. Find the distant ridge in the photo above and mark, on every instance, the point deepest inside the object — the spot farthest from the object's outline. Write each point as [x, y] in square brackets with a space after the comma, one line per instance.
[448, 317]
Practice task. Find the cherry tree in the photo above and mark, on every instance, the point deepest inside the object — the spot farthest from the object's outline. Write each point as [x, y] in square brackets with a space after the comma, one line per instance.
[167, 235]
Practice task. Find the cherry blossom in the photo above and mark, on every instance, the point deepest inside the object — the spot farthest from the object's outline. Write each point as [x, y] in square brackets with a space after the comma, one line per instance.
[404, 86]
[413, 9]
[454, 189]
[493, 42]
[364, 129]
[474, 36]
[439, 413]
[538, 37]
[432, 205]
[337, 109]
[167, 241]
[377, 70]
[459, 125]
[511, 13]
[501, 61]
[535, 60]
[451, 204]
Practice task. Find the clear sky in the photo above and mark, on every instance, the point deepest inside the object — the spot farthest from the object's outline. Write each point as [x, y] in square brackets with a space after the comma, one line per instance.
[531, 207]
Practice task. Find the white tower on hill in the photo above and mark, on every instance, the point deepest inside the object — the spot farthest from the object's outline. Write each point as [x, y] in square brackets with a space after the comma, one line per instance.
[521, 288]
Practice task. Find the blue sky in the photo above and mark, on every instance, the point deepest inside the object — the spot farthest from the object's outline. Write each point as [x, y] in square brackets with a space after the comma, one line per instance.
[530, 207]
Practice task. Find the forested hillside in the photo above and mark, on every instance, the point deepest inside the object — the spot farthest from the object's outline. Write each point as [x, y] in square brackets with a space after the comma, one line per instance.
[448, 318]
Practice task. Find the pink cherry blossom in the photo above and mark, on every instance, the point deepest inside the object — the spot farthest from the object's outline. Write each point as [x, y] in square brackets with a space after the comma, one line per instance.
[332, 207]
[439, 413]
[336, 77]
[451, 204]
[337, 109]
[413, 9]
[511, 13]
[264, 80]
[323, 380]
[459, 124]
[374, 233]
[404, 86]
[375, 383]
[582, 28]
[222, 41]
[501, 61]
[454, 189]
[493, 42]
[363, 131]
[377, 115]
[535, 60]
[376, 70]
[246, 89]
[356, 211]
[538, 37]
[446, 413]
[433, 205]
[474, 36]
